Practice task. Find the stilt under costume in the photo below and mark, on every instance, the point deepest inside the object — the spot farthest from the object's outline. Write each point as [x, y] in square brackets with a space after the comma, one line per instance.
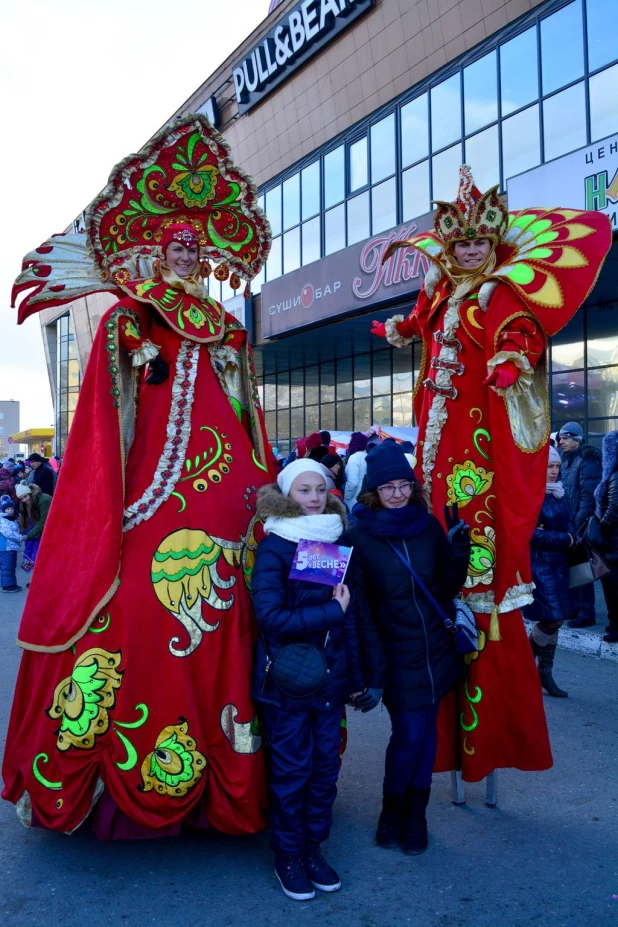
[138, 628]
[484, 446]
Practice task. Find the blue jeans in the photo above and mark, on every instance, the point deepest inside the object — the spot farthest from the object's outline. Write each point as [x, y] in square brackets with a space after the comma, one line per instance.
[8, 563]
[304, 753]
[411, 751]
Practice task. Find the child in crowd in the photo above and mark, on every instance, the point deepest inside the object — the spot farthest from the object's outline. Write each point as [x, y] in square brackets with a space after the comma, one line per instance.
[10, 542]
[304, 732]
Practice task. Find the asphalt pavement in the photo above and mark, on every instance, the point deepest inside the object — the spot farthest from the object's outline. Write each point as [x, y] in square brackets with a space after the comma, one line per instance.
[547, 855]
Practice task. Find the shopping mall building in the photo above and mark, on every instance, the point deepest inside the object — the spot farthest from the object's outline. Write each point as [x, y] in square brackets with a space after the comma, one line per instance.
[352, 116]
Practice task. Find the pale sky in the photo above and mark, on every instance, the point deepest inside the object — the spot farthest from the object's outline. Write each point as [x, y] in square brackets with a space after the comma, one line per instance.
[83, 83]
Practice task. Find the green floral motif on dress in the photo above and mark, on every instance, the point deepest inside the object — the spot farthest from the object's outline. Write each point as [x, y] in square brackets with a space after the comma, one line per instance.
[196, 181]
[466, 482]
[175, 765]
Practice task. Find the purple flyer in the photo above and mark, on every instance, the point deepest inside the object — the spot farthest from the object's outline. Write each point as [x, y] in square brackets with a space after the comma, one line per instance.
[319, 562]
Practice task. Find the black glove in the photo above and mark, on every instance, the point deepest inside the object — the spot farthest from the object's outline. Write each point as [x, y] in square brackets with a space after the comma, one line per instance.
[159, 371]
[368, 700]
[457, 531]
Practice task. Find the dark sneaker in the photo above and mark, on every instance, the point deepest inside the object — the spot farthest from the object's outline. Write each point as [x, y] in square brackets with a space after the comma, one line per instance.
[322, 876]
[581, 623]
[293, 878]
[11, 588]
[387, 833]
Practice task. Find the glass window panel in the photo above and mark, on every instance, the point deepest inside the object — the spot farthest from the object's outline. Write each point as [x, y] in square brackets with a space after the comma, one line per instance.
[382, 411]
[327, 383]
[521, 142]
[291, 250]
[345, 419]
[291, 201]
[445, 113]
[567, 396]
[261, 393]
[362, 414]
[70, 420]
[273, 266]
[383, 148]
[64, 351]
[446, 174]
[567, 347]
[312, 419]
[311, 241]
[414, 131]
[358, 164]
[334, 177]
[519, 73]
[327, 416]
[262, 202]
[310, 185]
[283, 424]
[297, 423]
[480, 94]
[604, 103]
[415, 184]
[73, 373]
[564, 117]
[602, 32]
[562, 47]
[64, 423]
[72, 400]
[402, 410]
[273, 209]
[334, 229]
[72, 348]
[270, 420]
[381, 372]
[384, 206]
[362, 376]
[64, 325]
[483, 154]
[358, 217]
[402, 371]
[344, 378]
[270, 396]
[297, 387]
[603, 391]
[312, 390]
[602, 335]
[598, 428]
[283, 390]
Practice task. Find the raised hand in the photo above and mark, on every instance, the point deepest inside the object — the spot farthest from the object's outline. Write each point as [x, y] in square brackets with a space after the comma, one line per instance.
[378, 328]
[457, 531]
[158, 371]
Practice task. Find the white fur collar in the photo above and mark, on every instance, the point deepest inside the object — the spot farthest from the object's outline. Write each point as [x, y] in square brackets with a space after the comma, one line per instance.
[327, 528]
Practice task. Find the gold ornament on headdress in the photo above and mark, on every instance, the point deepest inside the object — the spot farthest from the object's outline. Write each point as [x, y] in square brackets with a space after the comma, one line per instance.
[472, 215]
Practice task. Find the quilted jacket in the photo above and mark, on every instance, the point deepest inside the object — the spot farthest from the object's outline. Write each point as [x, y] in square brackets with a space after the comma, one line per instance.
[288, 611]
[550, 569]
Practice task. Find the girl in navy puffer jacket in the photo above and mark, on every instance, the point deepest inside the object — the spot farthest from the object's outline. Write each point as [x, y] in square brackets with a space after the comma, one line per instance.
[304, 733]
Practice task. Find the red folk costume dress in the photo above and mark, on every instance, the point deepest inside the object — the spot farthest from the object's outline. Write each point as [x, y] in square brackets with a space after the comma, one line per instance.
[485, 448]
[133, 695]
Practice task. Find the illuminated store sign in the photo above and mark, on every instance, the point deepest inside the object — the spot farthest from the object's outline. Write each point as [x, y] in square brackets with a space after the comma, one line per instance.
[346, 281]
[307, 28]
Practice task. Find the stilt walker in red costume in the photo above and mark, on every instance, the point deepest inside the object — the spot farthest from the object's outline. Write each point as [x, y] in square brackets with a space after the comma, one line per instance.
[499, 284]
[132, 699]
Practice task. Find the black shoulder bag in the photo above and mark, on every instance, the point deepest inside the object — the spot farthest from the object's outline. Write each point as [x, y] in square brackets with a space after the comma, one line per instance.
[463, 628]
[298, 669]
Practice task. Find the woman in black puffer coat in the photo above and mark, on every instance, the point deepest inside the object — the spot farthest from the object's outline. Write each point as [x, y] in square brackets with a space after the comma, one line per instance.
[304, 733]
[553, 537]
[606, 497]
[409, 657]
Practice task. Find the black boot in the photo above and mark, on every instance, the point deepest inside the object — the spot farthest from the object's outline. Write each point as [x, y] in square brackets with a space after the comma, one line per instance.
[389, 822]
[546, 664]
[414, 825]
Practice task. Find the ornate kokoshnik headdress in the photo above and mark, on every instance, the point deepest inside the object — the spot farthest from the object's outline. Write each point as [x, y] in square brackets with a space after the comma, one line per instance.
[183, 182]
[534, 248]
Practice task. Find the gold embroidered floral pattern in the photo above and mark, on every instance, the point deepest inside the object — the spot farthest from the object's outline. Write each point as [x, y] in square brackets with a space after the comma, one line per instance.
[175, 765]
[467, 481]
[83, 700]
[482, 557]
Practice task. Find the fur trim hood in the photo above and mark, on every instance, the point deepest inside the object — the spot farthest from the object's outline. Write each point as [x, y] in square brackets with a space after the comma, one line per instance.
[610, 454]
[271, 503]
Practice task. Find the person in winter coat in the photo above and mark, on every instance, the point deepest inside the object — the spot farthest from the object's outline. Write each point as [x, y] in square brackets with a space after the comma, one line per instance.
[7, 484]
[304, 733]
[33, 510]
[580, 473]
[409, 657]
[553, 537]
[606, 497]
[10, 542]
[355, 472]
[334, 464]
[44, 476]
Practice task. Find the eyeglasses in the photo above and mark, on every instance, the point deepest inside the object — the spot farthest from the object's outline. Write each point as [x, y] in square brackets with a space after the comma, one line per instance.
[388, 490]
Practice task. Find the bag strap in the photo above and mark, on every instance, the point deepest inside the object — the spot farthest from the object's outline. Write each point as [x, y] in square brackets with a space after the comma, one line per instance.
[431, 599]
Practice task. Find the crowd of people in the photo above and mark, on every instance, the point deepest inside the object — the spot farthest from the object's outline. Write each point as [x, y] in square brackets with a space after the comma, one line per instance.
[26, 491]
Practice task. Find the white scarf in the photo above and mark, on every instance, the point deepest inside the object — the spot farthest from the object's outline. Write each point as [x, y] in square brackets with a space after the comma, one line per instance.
[327, 528]
[555, 489]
